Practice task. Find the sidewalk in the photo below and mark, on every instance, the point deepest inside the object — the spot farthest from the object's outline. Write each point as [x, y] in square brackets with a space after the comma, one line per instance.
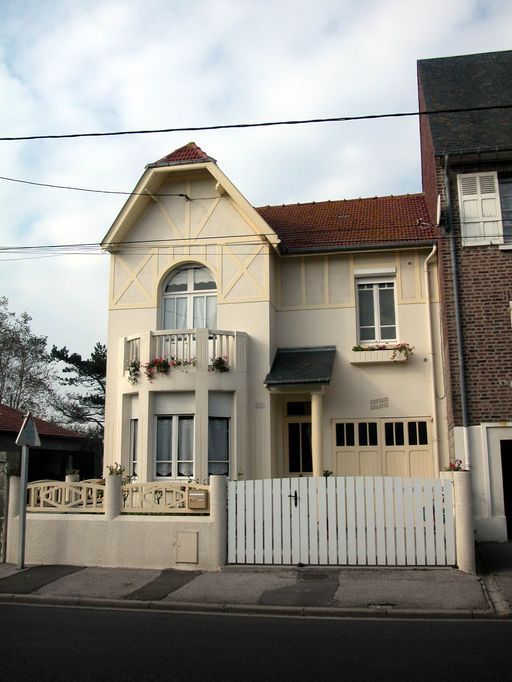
[309, 591]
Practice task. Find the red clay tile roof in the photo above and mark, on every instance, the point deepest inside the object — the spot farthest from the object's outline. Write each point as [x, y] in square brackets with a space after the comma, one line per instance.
[376, 221]
[12, 420]
[190, 153]
[351, 223]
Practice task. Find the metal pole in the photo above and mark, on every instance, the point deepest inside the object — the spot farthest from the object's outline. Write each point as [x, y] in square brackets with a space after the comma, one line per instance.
[23, 506]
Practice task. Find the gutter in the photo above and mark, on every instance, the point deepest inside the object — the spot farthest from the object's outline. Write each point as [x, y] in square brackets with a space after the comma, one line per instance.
[458, 323]
[435, 434]
[477, 151]
[301, 251]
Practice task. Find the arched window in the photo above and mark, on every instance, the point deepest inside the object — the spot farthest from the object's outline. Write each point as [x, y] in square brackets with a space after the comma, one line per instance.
[189, 299]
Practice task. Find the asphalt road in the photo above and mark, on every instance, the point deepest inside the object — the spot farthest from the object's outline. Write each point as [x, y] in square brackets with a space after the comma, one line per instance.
[53, 643]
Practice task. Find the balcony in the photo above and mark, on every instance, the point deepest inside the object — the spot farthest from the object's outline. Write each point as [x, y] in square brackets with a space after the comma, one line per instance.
[191, 349]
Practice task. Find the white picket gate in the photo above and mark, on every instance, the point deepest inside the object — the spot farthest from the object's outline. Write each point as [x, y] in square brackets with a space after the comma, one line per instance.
[362, 520]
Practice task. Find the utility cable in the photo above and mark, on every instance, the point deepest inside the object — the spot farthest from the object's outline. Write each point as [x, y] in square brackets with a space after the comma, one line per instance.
[100, 191]
[265, 124]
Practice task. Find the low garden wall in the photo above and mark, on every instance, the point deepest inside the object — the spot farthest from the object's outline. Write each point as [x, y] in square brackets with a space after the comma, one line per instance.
[130, 540]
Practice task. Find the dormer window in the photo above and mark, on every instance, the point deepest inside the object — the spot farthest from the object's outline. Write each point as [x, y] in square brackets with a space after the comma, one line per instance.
[190, 299]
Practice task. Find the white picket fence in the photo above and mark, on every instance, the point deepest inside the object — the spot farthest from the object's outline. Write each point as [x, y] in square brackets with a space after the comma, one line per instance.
[349, 520]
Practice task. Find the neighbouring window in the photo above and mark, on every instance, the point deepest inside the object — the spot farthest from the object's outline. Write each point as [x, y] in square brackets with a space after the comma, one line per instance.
[189, 299]
[218, 445]
[376, 310]
[350, 434]
[298, 409]
[485, 201]
[367, 433]
[396, 433]
[174, 447]
[505, 183]
[417, 433]
[345, 435]
[134, 460]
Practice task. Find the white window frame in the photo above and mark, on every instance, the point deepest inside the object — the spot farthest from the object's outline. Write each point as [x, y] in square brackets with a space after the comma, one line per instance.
[174, 448]
[227, 461]
[480, 210]
[190, 295]
[375, 282]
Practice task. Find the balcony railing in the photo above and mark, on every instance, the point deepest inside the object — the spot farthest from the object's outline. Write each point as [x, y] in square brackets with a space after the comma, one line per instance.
[198, 347]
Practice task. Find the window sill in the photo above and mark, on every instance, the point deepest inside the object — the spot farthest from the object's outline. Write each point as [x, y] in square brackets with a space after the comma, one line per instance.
[505, 247]
[362, 357]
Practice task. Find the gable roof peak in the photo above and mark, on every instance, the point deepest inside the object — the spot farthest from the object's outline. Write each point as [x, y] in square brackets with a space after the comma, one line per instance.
[189, 153]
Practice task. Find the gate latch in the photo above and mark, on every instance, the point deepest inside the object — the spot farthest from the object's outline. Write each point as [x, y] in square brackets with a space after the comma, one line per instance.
[294, 497]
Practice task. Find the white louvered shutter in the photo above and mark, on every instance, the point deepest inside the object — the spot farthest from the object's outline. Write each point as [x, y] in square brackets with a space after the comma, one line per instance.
[174, 403]
[219, 404]
[480, 212]
[134, 407]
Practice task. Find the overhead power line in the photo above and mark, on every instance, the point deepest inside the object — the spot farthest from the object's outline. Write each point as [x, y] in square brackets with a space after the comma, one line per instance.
[264, 124]
[145, 248]
[98, 191]
[105, 191]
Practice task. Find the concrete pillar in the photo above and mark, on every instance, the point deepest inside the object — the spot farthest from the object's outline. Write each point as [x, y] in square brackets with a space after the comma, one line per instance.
[202, 349]
[464, 532]
[219, 519]
[316, 433]
[112, 504]
[14, 497]
[201, 427]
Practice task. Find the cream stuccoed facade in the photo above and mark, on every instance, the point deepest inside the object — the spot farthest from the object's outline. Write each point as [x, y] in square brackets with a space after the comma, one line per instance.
[197, 274]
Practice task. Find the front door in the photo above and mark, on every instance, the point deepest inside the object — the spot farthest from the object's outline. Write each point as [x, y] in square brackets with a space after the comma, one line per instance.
[298, 446]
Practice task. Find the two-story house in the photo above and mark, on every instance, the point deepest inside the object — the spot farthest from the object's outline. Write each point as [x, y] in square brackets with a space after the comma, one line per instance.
[467, 179]
[274, 341]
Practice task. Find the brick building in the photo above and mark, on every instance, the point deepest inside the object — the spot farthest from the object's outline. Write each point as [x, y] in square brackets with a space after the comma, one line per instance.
[467, 180]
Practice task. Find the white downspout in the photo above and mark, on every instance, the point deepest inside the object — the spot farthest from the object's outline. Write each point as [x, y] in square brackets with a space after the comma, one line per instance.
[435, 435]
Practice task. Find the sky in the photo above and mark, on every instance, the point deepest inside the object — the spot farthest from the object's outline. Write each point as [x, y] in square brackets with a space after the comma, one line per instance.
[69, 66]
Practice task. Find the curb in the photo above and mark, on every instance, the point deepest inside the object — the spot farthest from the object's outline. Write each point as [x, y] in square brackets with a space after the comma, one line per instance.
[255, 609]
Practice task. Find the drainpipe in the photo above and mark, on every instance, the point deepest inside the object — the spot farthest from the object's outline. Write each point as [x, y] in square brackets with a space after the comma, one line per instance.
[458, 324]
[435, 435]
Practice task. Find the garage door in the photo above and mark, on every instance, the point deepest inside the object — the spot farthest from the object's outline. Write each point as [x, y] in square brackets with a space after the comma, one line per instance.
[383, 447]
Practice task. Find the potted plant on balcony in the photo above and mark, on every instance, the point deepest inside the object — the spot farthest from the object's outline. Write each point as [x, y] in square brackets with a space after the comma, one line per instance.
[156, 366]
[178, 362]
[133, 371]
[219, 364]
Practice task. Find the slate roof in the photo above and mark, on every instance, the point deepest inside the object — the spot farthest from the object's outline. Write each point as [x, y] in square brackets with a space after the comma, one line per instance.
[11, 420]
[302, 366]
[189, 153]
[466, 81]
[351, 223]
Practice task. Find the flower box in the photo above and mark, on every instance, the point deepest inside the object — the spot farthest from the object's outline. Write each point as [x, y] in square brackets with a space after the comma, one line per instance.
[362, 357]
[396, 352]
